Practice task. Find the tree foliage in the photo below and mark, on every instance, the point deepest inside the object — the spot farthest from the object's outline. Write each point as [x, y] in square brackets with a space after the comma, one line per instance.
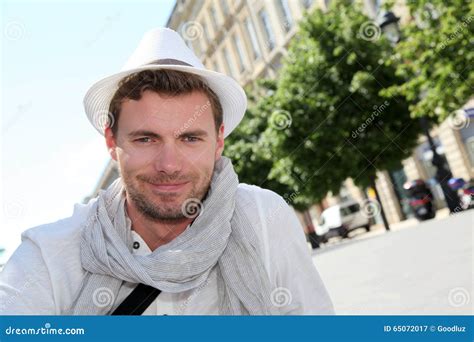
[435, 56]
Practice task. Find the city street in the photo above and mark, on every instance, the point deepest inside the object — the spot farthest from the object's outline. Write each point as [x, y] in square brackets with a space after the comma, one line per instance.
[424, 269]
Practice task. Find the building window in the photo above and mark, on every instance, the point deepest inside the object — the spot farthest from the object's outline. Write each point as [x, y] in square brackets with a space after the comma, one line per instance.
[307, 3]
[214, 20]
[276, 63]
[196, 44]
[203, 44]
[228, 63]
[216, 66]
[205, 32]
[240, 52]
[225, 7]
[470, 149]
[252, 37]
[267, 29]
[285, 12]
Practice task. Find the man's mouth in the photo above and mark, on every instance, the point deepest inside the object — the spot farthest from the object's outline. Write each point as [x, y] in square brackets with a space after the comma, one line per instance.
[168, 187]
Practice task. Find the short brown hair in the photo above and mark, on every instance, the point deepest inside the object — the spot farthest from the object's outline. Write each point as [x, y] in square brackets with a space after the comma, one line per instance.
[162, 81]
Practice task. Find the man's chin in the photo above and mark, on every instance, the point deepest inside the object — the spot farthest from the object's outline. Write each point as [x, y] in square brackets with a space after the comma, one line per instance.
[164, 209]
[166, 201]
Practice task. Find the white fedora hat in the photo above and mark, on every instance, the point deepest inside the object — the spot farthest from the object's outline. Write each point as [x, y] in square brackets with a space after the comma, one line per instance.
[165, 49]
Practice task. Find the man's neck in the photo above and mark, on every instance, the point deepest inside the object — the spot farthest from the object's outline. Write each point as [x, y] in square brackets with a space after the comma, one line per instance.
[155, 233]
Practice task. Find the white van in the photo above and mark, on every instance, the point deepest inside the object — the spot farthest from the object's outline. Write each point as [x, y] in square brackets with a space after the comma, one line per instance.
[340, 219]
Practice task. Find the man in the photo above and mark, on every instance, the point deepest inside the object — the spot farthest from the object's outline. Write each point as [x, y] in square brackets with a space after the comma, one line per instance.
[176, 231]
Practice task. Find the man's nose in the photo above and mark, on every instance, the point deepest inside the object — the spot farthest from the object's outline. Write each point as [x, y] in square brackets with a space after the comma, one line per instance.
[168, 159]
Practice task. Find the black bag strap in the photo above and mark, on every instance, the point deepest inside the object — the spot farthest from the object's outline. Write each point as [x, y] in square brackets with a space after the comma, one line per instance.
[137, 301]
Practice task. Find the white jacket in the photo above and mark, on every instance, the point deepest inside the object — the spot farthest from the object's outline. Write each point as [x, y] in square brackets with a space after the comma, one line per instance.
[44, 274]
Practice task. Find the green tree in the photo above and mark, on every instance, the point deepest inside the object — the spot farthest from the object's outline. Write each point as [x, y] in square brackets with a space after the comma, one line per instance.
[339, 124]
[437, 57]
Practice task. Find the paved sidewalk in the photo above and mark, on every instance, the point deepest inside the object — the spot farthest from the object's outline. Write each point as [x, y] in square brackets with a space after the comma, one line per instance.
[421, 268]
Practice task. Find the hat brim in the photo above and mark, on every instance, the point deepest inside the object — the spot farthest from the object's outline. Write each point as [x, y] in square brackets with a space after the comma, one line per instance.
[231, 95]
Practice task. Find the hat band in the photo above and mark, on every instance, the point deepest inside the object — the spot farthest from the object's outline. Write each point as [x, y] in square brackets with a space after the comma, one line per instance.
[169, 61]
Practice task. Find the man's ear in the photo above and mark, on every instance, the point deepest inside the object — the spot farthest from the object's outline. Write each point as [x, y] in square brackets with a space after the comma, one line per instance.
[111, 143]
[220, 142]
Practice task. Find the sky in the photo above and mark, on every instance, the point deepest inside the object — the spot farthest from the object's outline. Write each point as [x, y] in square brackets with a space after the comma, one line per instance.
[51, 53]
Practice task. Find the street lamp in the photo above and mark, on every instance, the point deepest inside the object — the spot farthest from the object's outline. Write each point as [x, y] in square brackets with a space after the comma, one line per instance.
[388, 22]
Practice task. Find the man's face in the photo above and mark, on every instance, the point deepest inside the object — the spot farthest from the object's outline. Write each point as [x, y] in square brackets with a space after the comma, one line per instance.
[166, 148]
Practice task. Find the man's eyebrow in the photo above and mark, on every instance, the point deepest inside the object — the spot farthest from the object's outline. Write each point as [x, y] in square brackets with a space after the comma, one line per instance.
[143, 132]
[194, 133]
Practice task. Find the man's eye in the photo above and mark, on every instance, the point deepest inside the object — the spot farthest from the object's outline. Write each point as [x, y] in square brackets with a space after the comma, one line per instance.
[143, 140]
[191, 139]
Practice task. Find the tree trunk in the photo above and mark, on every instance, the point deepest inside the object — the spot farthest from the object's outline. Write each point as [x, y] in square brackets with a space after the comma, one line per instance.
[382, 211]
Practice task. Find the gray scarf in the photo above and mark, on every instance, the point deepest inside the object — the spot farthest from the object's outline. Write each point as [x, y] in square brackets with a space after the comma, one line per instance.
[222, 236]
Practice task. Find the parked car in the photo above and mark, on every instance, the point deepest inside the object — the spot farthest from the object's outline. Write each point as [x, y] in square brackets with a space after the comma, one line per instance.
[340, 220]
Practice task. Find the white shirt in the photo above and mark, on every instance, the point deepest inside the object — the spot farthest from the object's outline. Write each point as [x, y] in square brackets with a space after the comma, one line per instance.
[44, 274]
